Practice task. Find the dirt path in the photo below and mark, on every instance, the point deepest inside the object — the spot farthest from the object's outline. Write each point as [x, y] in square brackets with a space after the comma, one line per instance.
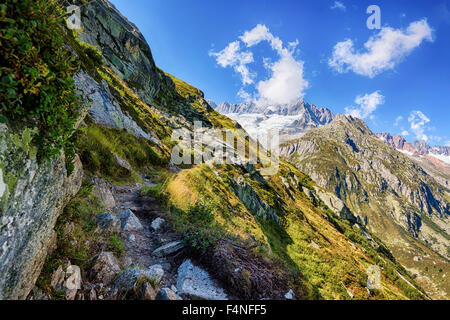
[139, 245]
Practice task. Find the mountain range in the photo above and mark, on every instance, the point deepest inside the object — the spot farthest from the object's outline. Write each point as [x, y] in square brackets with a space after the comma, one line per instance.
[292, 120]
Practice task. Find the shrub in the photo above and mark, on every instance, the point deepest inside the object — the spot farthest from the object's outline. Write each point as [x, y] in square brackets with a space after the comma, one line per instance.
[202, 230]
[36, 85]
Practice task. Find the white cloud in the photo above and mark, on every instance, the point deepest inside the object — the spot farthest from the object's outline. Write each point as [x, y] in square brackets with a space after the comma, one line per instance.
[286, 83]
[418, 122]
[232, 56]
[382, 51]
[367, 105]
[398, 120]
[338, 5]
[244, 95]
[405, 133]
[447, 144]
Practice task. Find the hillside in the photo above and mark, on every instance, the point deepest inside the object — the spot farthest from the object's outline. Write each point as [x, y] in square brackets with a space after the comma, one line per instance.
[393, 196]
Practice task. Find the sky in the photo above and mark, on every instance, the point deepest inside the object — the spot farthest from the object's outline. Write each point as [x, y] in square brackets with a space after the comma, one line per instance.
[395, 76]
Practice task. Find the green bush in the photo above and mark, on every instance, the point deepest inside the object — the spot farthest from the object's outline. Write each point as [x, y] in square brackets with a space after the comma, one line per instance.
[202, 230]
[36, 85]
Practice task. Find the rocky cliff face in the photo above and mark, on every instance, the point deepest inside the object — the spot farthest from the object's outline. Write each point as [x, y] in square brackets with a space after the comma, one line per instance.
[33, 195]
[123, 47]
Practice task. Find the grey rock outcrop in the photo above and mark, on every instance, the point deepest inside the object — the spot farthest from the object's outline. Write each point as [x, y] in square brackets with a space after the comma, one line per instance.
[252, 201]
[123, 47]
[105, 109]
[32, 198]
[335, 204]
[105, 267]
[129, 222]
[169, 248]
[195, 283]
[108, 222]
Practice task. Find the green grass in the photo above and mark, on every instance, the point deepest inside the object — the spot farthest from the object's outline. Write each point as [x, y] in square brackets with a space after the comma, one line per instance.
[116, 245]
[97, 146]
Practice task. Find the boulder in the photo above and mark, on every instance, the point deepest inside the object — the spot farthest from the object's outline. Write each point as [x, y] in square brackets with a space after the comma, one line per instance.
[127, 280]
[168, 248]
[157, 223]
[129, 222]
[289, 295]
[122, 163]
[67, 279]
[102, 190]
[105, 267]
[136, 283]
[195, 283]
[147, 292]
[155, 273]
[108, 222]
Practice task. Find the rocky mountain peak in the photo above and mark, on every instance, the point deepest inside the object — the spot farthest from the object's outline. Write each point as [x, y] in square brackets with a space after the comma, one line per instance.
[349, 124]
[293, 119]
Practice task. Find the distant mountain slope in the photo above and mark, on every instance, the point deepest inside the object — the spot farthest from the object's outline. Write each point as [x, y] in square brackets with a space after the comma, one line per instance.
[393, 195]
[293, 120]
[434, 160]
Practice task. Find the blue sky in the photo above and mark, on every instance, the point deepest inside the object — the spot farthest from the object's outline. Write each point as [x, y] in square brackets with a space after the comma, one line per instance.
[406, 92]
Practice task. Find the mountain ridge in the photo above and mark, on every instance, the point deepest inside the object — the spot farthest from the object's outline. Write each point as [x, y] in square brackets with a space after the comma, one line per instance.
[292, 120]
[384, 187]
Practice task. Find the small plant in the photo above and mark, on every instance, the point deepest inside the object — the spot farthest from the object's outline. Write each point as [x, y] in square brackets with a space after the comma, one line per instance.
[202, 231]
[24, 142]
[116, 245]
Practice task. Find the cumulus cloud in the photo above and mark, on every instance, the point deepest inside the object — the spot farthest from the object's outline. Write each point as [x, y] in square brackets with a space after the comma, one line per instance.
[418, 122]
[447, 144]
[382, 51]
[405, 133]
[368, 103]
[338, 5]
[286, 82]
[231, 56]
